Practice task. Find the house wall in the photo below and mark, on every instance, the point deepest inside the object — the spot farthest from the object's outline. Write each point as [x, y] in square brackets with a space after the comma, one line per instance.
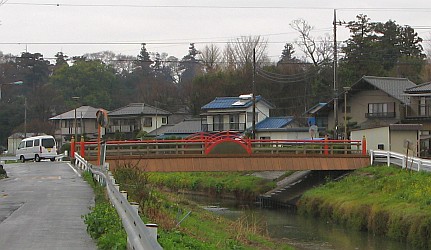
[374, 137]
[283, 135]
[12, 145]
[262, 112]
[392, 140]
[358, 103]
[397, 139]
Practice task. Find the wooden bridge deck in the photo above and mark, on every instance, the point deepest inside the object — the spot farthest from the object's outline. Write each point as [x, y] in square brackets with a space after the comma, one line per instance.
[284, 162]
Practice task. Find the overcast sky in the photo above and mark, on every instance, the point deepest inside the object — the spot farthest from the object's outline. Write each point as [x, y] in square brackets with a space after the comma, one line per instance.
[169, 25]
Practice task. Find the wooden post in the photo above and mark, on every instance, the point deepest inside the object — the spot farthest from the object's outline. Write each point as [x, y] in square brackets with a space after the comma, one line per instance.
[72, 147]
[98, 143]
[82, 144]
[364, 145]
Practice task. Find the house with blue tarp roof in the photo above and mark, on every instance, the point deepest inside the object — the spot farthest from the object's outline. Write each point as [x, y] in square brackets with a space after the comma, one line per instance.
[281, 128]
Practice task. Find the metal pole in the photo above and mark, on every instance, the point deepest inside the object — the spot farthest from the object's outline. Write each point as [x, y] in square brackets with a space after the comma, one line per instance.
[25, 117]
[254, 95]
[345, 114]
[335, 77]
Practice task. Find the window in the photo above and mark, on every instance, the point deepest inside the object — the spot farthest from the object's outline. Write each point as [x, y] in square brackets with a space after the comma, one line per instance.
[381, 110]
[36, 143]
[28, 144]
[148, 121]
[164, 120]
[218, 123]
[234, 122]
[423, 106]
[48, 143]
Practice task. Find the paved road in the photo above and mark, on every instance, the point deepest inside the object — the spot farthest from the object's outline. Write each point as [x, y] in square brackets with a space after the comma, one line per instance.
[41, 204]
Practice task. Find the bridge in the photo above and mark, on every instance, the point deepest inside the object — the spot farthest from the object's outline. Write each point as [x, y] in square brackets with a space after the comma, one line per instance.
[227, 151]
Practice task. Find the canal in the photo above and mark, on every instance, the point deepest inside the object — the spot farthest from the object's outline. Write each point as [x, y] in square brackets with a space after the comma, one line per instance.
[304, 233]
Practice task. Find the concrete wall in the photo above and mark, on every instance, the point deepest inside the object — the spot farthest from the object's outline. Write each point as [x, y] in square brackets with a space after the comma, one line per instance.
[283, 135]
[392, 140]
[374, 137]
[397, 139]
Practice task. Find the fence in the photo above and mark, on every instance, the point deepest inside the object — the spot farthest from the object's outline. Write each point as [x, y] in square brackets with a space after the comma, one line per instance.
[401, 160]
[204, 146]
[139, 235]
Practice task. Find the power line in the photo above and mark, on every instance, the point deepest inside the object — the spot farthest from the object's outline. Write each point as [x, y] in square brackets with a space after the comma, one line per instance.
[414, 9]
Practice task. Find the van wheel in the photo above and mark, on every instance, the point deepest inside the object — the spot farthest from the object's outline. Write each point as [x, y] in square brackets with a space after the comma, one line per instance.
[22, 159]
[52, 159]
[37, 158]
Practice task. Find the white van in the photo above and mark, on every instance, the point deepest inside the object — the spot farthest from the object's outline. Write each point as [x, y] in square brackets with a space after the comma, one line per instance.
[37, 148]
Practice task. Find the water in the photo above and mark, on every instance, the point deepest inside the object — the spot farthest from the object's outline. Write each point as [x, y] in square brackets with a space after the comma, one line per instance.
[304, 233]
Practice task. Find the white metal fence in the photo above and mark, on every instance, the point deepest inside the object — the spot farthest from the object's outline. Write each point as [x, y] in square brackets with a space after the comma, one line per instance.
[139, 235]
[410, 162]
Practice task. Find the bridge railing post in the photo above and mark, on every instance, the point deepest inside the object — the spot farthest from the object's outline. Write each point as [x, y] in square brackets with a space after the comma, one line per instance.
[325, 146]
[82, 149]
[364, 145]
[72, 148]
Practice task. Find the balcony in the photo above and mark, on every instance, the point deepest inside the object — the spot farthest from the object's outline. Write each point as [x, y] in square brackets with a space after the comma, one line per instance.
[380, 115]
[240, 127]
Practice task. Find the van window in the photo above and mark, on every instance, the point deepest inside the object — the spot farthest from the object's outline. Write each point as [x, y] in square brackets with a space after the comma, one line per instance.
[21, 145]
[48, 142]
[36, 143]
[28, 144]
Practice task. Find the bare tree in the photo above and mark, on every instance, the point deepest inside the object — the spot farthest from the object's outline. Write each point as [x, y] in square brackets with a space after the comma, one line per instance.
[210, 57]
[239, 52]
[316, 49]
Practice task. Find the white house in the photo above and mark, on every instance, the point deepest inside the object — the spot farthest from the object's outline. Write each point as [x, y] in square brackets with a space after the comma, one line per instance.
[233, 113]
[136, 117]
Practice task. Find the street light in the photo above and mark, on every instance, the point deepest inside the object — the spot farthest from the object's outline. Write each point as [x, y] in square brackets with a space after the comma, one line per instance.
[10, 83]
[346, 89]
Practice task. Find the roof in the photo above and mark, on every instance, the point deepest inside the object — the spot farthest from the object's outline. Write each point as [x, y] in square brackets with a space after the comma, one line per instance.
[421, 88]
[316, 108]
[233, 103]
[138, 109]
[393, 86]
[84, 112]
[182, 129]
[274, 122]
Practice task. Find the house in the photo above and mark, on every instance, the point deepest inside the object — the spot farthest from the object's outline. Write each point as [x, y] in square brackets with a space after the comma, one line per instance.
[79, 121]
[281, 128]
[233, 113]
[419, 112]
[370, 102]
[136, 117]
[14, 140]
[393, 137]
[182, 129]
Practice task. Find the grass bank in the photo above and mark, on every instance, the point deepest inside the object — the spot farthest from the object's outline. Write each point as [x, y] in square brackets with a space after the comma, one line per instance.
[385, 201]
[103, 223]
[185, 225]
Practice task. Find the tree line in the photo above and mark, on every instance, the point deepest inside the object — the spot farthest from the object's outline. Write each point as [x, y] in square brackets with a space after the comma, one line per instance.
[294, 83]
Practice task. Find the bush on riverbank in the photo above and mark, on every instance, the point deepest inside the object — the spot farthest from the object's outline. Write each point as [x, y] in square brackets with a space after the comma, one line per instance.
[103, 222]
[200, 229]
[242, 185]
[383, 200]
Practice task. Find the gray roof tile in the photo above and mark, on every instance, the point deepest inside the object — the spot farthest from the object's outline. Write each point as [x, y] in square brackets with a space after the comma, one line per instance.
[84, 112]
[393, 86]
[138, 109]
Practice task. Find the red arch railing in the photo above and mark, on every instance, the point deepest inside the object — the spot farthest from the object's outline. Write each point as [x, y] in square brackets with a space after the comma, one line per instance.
[205, 142]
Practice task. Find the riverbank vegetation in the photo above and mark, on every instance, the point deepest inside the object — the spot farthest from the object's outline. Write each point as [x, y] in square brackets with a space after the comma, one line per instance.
[185, 225]
[103, 223]
[386, 201]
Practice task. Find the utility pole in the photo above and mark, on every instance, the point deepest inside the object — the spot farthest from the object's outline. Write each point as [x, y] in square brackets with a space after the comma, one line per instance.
[254, 96]
[335, 78]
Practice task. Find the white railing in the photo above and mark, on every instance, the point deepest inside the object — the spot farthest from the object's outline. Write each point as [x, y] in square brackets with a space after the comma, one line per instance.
[139, 235]
[410, 162]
